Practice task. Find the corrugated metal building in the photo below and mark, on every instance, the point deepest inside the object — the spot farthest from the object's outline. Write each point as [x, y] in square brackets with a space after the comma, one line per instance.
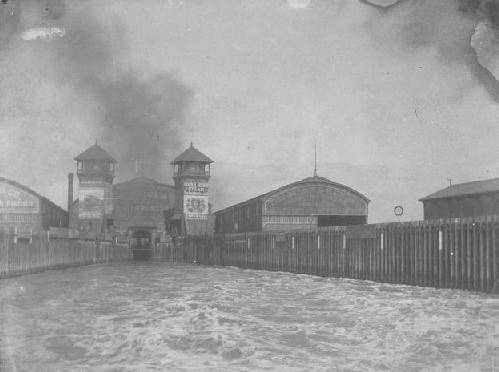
[470, 199]
[26, 211]
[309, 203]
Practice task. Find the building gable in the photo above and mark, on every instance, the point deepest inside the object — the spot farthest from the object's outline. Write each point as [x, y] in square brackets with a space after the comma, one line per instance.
[315, 199]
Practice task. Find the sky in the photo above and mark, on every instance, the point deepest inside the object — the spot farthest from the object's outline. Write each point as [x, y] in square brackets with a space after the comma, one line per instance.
[395, 97]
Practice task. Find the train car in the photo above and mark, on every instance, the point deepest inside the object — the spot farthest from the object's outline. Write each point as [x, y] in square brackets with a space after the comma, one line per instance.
[141, 243]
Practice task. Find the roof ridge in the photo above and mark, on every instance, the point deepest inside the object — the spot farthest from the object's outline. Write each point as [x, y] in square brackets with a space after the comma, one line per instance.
[307, 179]
[143, 177]
[466, 188]
[95, 152]
[192, 154]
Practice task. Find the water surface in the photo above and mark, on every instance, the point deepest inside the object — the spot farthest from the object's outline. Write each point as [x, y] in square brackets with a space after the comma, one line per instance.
[160, 316]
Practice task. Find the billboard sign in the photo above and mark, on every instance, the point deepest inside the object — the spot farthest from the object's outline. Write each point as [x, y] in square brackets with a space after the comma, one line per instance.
[193, 187]
[196, 207]
[95, 199]
[16, 200]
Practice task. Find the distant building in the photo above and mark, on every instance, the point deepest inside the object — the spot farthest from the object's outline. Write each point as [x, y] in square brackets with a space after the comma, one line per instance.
[309, 203]
[142, 202]
[27, 212]
[92, 214]
[191, 214]
[470, 199]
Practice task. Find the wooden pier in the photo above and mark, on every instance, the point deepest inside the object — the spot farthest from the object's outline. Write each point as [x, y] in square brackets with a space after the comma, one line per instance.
[457, 253]
[40, 253]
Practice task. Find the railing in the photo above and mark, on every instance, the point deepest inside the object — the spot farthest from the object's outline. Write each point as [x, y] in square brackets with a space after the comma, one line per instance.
[460, 254]
[186, 172]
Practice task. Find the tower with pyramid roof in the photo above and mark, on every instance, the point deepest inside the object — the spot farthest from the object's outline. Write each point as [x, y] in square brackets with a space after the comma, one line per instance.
[191, 176]
[95, 170]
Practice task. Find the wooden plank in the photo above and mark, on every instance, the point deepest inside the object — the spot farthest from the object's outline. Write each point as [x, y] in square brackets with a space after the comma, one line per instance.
[393, 254]
[329, 246]
[388, 260]
[431, 254]
[383, 257]
[370, 251]
[452, 255]
[417, 253]
[495, 255]
[401, 249]
[435, 255]
[376, 249]
[466, 257]
[396, 255]
[360, 232]
[440, 257]
[424, 281]
[458, 251]
[488, 257]
[476, 256]
[361, 258]
[482, 263]
[354, 258]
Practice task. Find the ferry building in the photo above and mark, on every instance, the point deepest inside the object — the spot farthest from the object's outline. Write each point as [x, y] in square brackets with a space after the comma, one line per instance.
[104, 209]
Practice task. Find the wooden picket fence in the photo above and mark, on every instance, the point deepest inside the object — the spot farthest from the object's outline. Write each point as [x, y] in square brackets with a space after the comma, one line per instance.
[457, 253]
[41, 253]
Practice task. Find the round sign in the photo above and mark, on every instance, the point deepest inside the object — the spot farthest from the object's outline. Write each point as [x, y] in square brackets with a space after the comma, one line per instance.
[398, 210]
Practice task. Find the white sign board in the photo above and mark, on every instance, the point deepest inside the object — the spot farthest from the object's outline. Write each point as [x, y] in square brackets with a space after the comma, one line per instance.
[196, 207]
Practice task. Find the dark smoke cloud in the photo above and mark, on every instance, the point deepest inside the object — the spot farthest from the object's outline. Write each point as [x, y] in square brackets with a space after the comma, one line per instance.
[141, 114]
[135, 115]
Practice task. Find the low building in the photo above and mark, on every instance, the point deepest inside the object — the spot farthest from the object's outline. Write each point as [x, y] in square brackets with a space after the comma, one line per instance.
[27, 212]
[306, 204]
[470, 199]
[142, 202]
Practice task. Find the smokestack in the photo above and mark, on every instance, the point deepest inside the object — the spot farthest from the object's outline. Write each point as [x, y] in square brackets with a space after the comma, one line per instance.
[70, 192]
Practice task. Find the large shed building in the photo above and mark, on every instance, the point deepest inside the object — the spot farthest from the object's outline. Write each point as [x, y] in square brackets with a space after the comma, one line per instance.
[142, 202]
[309, 203]
[27, 212]
[470, 199]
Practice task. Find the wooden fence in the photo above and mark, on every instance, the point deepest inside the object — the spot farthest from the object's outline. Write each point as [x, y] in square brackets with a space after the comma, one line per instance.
[41, 253]
[443, 253]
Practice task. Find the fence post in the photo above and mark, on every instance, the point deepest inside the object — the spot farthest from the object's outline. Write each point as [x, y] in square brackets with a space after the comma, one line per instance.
[495, 256]
[482, 285]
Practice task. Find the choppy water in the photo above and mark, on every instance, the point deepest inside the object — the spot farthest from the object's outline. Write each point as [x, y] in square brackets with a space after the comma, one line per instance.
[159, 316]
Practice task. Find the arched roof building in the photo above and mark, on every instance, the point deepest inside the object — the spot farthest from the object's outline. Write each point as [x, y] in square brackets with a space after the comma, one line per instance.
[23, 209]
[309, 203]
[142, 202]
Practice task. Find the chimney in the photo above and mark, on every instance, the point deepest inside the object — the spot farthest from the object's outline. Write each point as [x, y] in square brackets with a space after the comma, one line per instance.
[70, 192]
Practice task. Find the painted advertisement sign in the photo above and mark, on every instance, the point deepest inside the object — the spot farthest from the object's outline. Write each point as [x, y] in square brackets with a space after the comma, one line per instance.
[16, 200]
[196, 207]
[95, 199]
[193, 187]
[196, 199]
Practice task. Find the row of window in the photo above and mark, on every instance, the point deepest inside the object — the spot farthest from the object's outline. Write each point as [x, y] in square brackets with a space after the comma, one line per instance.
[290, 219]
